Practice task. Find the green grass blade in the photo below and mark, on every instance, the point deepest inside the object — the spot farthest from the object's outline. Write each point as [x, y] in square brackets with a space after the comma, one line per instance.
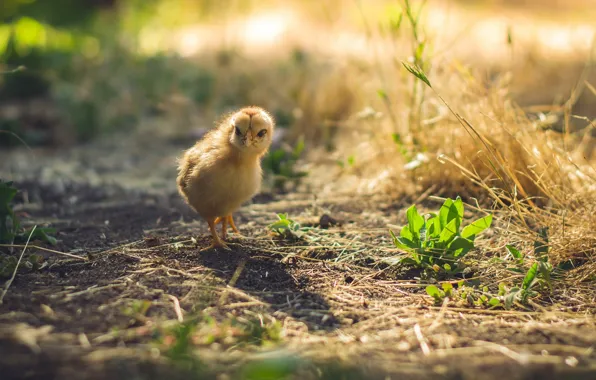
[417, 72]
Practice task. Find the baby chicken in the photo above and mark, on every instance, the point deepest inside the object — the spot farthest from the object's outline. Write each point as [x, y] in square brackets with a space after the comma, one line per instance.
[223, 169]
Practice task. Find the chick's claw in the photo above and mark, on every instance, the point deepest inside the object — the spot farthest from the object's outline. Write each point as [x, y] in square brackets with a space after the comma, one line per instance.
[217, 242]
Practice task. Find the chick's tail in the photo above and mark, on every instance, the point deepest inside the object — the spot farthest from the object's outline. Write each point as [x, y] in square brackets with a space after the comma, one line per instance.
[185, 168]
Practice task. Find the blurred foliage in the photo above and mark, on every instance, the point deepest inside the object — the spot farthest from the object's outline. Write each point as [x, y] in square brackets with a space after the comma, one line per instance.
[89, 70]
[81, 60]
[281, 165]
[58, 13]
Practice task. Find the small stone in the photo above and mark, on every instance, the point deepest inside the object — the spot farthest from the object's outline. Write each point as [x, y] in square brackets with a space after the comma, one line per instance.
[327, 221]
[571, 361]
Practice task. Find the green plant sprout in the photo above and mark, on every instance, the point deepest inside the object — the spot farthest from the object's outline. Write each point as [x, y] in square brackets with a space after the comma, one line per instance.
[11, 232]
[287, 227]
[537, 276]
[10, 226]
[437, 242]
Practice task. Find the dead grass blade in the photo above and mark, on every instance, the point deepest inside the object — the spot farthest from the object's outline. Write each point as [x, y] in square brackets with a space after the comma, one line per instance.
[14, 273]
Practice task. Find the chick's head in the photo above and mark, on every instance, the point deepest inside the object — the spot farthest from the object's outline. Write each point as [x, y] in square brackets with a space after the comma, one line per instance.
[251, 130]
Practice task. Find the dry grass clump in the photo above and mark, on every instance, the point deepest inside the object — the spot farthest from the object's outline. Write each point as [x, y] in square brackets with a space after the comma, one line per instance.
[465, 135]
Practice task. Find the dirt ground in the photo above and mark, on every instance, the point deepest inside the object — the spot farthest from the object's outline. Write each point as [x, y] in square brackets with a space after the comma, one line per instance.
[130, 238]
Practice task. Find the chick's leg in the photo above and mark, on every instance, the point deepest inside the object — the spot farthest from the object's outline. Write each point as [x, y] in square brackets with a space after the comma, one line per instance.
[217, 242]
[231, 222]
[224, 228]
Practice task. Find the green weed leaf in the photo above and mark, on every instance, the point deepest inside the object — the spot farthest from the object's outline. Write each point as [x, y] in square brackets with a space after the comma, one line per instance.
[494, 302]
[406, 233]
[403, 242]
[447, 288]
[415, 221]
[395, 241]
[434, 292]
[460, 246]
[530, 277]
[471, 230]
[449, 211]
[406, 243]
[545, 269]
[459, 207]
[43, 234]
[433, 226]
[449, 232]
[514, 252]
[7, 193]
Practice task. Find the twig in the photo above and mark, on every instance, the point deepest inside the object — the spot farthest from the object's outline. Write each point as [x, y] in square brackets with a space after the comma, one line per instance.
[14, 71]
[437, 322]
[14, 273]
[18, 138]
[232, 282]
[421, 340]
[92, 289]
[177, 308]
[245, 304]
[45, 249]
[520, 358]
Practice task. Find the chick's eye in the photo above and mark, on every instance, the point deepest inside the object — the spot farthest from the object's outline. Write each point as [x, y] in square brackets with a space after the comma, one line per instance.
[238, 131]
[262, 133]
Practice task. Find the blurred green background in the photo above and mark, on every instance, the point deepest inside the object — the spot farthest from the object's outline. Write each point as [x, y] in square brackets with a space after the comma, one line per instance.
[90, 67]
[94, 67]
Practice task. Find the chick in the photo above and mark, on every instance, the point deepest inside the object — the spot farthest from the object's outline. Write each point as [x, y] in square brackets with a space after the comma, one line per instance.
[223, 169]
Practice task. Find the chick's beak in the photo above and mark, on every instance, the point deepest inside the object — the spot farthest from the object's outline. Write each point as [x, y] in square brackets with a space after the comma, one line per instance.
[248, 138]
